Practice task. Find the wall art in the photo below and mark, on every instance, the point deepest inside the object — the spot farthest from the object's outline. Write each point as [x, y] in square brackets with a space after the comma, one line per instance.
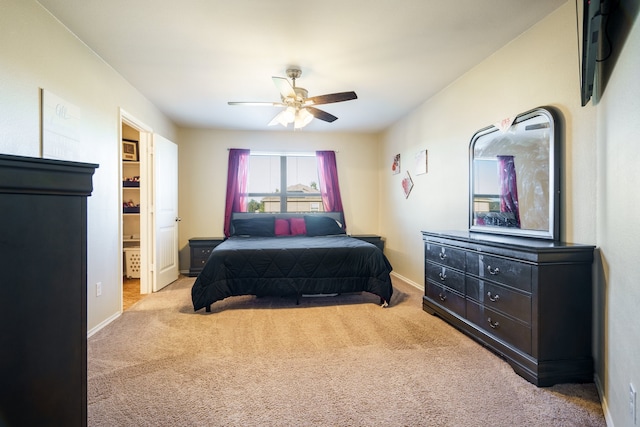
[60, 128]
[395, 165]
[130, 150]
[407, 185]
[421, 162]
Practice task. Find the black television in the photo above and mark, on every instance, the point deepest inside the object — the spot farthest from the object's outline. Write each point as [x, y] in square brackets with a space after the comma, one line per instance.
[591, 28]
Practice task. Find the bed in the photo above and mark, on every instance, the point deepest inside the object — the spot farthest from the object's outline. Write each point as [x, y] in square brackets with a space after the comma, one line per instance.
[291, 255]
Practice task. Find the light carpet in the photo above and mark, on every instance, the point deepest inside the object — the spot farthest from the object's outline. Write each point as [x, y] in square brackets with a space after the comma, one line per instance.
[330, 361]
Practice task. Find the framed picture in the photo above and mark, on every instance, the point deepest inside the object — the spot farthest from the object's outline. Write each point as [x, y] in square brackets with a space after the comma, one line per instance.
[61, 123]
[407, 185]
[395, 164]
[421, 162]
[129, 150]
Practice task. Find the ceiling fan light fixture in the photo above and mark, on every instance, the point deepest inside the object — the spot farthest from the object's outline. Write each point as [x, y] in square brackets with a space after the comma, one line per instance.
[303, 118]
[284, 117]
[289, 115]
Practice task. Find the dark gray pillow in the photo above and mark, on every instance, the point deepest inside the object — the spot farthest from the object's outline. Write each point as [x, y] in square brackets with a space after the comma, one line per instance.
[260, 226]
[322, 226]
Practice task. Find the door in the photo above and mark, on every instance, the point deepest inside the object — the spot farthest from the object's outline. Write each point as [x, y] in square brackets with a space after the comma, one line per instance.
[165, 215]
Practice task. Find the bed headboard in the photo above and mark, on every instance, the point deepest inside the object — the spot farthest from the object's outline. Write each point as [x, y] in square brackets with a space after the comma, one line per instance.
[260, 226]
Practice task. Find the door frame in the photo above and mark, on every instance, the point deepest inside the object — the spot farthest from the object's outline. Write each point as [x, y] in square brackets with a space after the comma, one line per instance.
[145, 153]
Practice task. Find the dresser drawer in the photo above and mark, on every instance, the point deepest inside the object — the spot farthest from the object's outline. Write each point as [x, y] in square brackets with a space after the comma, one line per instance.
[445, 255]
[501, 326]
[445, 298]
[445, 276]
[500, 298]
[501, 270]
[200, 256]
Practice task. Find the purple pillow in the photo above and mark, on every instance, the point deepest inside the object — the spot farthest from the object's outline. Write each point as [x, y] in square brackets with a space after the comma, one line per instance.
[297, 226]
[282, 227]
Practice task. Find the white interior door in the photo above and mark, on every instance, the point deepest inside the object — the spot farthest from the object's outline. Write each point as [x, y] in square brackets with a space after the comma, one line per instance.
[165, 212]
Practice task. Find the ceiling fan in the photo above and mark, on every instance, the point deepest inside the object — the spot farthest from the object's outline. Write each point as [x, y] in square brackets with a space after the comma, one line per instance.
[299, 108]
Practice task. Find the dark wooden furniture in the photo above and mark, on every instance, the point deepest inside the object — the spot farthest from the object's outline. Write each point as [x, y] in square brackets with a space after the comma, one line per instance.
[371, 238]
[43, 292]
[200, 248]
[528, 300]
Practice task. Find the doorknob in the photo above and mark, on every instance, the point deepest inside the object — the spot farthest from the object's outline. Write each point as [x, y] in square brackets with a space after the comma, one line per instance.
[178, 219]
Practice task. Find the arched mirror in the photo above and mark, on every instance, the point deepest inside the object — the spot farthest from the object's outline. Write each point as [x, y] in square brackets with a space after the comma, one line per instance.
[514, 177]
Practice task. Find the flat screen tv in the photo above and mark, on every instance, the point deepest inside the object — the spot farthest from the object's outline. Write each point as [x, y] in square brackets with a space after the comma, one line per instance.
[591, 28]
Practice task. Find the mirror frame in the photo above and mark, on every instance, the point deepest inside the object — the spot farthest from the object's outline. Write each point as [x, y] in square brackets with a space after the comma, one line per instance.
[553, 231]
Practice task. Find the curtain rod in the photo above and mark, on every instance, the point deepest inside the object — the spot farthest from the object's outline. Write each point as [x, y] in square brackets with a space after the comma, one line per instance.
[285, 153]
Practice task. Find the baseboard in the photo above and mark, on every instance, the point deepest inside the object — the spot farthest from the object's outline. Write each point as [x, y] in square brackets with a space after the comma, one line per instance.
[103, 324]
[403, 279]
[603, 401]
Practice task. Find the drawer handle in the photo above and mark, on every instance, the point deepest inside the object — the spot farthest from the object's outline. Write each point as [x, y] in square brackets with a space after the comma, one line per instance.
[442, 256]
[442, 296]
[494, 272]
[494, 325]
[493, 298]
[442, 276]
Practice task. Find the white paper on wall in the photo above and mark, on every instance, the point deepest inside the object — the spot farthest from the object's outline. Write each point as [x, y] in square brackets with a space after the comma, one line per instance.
[60, 128]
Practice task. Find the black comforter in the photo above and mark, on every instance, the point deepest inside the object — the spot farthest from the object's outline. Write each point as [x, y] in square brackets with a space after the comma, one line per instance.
[294, 266]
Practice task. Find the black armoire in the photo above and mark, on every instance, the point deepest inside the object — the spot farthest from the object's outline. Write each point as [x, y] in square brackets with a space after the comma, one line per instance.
[43, 291]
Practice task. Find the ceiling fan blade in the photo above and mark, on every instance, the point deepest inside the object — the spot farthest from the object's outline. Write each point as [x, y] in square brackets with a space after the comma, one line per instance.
[331, 98]
[285, 88]
[258, 104]
[322, 115]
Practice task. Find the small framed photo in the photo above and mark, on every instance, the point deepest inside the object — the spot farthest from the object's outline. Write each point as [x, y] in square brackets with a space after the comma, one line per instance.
[421, 162]
[395, 164]
[407, 185]
[129, 150]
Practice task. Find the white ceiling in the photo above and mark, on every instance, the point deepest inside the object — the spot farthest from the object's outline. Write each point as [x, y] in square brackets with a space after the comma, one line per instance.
[190, 57]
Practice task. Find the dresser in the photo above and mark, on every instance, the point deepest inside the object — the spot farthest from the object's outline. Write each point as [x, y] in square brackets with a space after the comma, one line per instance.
[528, 300]
[199, 250]
[43, 291]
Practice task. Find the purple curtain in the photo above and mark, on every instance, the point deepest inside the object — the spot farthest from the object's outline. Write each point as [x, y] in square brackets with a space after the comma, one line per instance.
[237, 174]
[508, 187]
[329, 187]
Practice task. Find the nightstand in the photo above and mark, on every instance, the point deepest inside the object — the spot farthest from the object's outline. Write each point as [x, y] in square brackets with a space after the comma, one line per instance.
[200, 249]
[371, 238]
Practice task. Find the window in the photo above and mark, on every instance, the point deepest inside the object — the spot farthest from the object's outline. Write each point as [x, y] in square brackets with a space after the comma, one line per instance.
[283, 183]
[288, 171]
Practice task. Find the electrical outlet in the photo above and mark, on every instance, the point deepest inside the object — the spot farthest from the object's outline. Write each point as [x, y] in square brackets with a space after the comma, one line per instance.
[632, 403]
[98, 289]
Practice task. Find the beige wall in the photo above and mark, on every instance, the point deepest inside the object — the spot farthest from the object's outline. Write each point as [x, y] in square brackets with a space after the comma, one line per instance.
[599, 174]
[203, 156]
[37, 52]
[618, 228]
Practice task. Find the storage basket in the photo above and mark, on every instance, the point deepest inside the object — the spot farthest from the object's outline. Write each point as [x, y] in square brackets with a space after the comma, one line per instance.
[132, 262]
